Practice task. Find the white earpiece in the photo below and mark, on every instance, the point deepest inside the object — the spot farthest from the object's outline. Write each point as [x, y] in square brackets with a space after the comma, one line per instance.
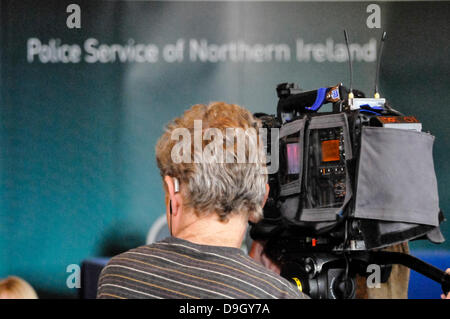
[176, 185]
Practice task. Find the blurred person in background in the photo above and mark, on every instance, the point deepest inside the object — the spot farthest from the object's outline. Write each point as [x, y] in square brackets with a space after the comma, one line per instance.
[16, 288]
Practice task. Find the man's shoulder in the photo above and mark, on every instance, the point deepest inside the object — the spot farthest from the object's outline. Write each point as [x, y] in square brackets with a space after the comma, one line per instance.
[165, 259]
[135, 254]
[126, 270]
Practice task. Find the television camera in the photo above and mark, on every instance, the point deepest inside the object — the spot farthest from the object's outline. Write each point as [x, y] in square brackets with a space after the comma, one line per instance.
[351, 181]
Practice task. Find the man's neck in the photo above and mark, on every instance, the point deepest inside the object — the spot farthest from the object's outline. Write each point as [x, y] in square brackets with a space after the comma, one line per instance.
[209, 230]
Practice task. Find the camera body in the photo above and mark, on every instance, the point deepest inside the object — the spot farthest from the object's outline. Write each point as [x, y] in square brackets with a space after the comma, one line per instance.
[358, 177]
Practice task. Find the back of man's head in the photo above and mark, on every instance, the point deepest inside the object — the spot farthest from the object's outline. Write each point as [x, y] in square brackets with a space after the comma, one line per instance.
[216, 153]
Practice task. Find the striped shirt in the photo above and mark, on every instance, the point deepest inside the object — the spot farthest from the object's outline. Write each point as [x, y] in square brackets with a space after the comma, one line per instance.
[176, 268]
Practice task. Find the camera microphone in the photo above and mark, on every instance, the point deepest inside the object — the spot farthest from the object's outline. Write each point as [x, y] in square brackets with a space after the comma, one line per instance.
[350, 94]
[377, 74]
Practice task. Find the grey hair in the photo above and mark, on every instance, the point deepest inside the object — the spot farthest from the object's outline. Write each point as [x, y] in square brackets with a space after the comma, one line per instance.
[236, 187]
[227, 188]
[228, 178]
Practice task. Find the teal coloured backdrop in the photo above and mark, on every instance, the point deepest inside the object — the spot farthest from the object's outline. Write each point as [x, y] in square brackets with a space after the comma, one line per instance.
[78, 176]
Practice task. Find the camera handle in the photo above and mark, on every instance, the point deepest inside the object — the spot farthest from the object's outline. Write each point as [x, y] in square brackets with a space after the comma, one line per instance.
[420, 266]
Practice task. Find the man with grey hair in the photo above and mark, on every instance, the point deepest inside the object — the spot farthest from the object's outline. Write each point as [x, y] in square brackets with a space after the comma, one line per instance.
[212, 165]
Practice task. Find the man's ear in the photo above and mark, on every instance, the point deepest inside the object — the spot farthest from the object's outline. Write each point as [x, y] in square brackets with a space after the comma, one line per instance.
[266, 195]
[172, 192]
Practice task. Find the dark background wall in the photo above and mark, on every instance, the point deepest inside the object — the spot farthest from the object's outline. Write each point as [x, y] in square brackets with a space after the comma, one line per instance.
[77, 169]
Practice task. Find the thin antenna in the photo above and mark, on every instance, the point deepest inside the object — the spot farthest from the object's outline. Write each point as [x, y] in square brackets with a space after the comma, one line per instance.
[377, 74]
[350, 95]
